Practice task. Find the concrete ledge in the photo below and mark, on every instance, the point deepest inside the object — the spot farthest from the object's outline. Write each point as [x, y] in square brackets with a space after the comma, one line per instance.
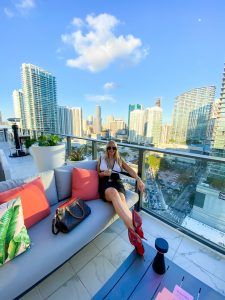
[5, 173]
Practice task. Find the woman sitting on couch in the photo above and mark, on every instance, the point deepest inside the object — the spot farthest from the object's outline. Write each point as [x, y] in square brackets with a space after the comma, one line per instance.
[111, 189]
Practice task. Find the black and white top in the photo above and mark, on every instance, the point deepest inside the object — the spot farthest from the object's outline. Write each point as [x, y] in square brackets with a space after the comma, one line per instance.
[104, 165]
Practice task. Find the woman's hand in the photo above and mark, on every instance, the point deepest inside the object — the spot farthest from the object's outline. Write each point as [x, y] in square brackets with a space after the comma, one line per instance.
[140, 185]
[106, 173]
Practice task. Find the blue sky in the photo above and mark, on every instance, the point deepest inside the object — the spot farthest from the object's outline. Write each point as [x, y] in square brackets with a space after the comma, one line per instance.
[113, 53]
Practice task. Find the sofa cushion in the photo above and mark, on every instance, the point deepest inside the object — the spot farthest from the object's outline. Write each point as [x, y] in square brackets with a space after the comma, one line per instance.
[20, 274]
[48, 180]
[63, 177]
[85, 184]
[13, 235]
[34, 202]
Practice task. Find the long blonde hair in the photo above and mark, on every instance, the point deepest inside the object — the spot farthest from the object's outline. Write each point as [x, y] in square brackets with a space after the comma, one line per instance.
[116, 155]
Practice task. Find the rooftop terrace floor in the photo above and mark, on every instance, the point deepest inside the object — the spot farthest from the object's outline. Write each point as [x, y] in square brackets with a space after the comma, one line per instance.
[87, 271]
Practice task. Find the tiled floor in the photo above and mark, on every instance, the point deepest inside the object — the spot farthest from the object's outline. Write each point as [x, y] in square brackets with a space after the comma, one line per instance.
[86, 272]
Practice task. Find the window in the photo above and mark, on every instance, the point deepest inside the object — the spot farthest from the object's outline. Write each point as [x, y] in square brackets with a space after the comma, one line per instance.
[199, 199]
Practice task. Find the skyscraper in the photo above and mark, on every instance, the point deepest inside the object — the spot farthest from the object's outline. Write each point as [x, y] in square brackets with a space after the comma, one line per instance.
[64, 120]
[98, 120]
[117, 126]
[40, 99]
[153, 119]
[166, 133]
[137, 125]
[219, 129]
[109, 119]
[18, 105]
[130, 109]
[184, 105]
[77, 121]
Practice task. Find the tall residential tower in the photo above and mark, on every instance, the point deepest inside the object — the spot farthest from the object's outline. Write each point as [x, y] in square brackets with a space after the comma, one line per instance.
[219, 129]
[18, 105]
[153, 124]
[184, 105]
[98, 120]
[40, 99]
[130, 109]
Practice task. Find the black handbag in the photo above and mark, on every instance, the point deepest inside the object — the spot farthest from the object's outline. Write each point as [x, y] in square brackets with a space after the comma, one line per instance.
[115, 177]
[69, 214]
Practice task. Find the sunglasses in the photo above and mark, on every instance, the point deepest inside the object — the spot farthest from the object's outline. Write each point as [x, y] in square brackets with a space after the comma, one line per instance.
[113, 148]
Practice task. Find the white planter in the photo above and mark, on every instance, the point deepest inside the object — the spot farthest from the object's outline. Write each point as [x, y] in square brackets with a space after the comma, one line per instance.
[48, 157]
[73, 162]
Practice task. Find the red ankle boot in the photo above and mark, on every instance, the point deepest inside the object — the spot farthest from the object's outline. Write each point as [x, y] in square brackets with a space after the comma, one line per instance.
[135, 240]
[137, 222]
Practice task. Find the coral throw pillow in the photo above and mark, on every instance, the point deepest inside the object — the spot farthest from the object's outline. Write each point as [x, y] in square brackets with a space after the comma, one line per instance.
[13, 234]
[85, 184]
[34, 202]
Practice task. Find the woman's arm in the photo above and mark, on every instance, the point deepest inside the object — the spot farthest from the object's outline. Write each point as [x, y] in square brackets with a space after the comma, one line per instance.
[132, 173]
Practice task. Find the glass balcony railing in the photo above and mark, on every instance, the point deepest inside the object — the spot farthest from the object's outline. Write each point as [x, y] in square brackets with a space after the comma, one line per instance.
[185, 190]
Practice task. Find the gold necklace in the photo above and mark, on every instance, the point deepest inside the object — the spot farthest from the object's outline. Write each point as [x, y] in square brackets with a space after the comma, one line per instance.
[111, 163]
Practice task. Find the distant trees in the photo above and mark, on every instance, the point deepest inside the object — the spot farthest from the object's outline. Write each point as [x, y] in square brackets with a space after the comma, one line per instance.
[217, 183]
[157, 163]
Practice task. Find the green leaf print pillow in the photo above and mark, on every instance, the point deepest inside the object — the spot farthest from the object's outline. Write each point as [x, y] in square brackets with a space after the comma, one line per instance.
[14, 238]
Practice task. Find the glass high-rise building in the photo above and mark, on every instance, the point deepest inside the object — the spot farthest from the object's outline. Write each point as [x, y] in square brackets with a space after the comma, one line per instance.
[137, 126]
[153, 124]
[130, 109]
[98, 120]
[219, 128]
[40, 98]
[77, 121]
[184, 105]
[199, 125]
[18, 105]
[64, 120]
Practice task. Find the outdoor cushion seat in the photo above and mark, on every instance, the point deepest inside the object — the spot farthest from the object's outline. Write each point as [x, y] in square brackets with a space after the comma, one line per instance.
[48, 251]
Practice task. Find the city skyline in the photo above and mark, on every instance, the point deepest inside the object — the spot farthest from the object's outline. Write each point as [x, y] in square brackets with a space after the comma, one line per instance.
[161, 63]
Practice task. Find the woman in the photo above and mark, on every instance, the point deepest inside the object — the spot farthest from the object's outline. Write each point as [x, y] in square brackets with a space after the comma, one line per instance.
[111, 189]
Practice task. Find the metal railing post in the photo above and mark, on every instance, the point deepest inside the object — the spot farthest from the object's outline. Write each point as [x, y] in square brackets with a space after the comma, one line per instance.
[34, 134]
[68, 146]
[94, 150]
[5, 134]
[141, 154]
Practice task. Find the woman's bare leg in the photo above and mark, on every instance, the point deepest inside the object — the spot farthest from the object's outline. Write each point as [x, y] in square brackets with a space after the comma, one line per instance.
[120, 206]
[123, 199]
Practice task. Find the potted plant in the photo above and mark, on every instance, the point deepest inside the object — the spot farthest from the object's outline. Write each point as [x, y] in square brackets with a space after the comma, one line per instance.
[28, 143]
[77, 154]
[48, 152]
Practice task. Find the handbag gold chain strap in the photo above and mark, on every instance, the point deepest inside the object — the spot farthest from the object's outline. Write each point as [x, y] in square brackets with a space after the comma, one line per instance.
[72, 214]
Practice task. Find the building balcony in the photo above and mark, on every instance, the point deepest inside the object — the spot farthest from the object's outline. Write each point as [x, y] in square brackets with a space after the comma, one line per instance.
[165, 213]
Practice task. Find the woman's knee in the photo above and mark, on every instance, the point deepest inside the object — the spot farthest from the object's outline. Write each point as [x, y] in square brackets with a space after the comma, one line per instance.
[111, 194]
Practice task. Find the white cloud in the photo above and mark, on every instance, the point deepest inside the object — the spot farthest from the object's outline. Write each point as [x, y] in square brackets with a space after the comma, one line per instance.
[77, 22]
[100, 98]
[8, 12]
[99, 46]
[21, 7]
[109, 85]
[25, 4]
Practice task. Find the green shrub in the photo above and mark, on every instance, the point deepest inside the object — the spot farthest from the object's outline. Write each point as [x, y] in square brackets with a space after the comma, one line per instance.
[29, 142]
[49, 140]
[77, 153]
